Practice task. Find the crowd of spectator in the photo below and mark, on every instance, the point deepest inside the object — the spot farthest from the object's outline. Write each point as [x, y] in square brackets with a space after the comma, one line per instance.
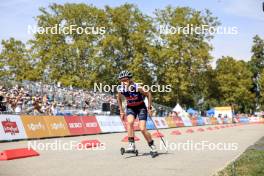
[37, 98]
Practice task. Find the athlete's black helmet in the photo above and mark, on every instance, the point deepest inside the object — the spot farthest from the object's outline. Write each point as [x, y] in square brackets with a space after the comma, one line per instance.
[125, 74]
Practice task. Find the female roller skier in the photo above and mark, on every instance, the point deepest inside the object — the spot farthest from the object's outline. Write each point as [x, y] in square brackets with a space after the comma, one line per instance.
[136, 107]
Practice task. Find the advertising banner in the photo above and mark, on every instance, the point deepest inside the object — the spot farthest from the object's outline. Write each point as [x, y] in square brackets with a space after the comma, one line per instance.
[236, 120]
[136, 124]
[160, 122]
[219, 121]
[117, 125]
[150, 124]
[186, 120]
[206, 120]
[254, 119]
[213, 120]
[223, 112]
[56, 125]
[178, 121]
[110, 124]
[226, 120]
[200, 121]
[75, 125]
[243, 120]
[35, 126]
[11, 128]
[91, 126]
[171, 123]
[194, 121]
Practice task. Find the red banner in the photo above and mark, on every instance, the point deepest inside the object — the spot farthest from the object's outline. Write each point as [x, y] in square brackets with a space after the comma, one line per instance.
[178, 121]
[194, 121]
[75, 125]
[213, 121]
[91, 125]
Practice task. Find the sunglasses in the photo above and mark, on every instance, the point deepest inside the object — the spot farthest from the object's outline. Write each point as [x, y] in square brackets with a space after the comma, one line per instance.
[124, 79]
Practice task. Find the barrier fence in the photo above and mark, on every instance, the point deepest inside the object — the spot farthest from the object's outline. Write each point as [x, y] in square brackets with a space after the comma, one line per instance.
[16, 127]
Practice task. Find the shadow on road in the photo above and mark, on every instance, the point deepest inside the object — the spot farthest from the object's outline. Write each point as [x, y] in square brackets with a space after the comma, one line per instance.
[146, 154]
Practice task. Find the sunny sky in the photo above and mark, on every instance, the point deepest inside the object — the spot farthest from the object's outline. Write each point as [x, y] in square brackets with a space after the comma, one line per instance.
[246, 15]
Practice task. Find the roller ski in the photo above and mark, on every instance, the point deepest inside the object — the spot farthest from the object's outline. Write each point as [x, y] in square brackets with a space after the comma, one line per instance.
[136, 108]
[153, 151]
[131, 149]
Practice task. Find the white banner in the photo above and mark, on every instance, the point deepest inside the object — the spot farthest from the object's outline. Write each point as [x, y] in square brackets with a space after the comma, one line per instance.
[186, 119]
[160, 122]
[206, 120]
[11, 127]
[223, 112]
[219, 121]
[110, 124]
[254, 119]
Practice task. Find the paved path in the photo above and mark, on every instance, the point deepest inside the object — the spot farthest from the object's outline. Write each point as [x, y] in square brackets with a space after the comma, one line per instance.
[109, 162]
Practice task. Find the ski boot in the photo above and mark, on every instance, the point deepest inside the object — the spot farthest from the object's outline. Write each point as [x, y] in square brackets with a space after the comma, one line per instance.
[131, 149]
[153, 151]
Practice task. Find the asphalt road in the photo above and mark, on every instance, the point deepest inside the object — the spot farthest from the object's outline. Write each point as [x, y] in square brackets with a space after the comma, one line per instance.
[185, 157]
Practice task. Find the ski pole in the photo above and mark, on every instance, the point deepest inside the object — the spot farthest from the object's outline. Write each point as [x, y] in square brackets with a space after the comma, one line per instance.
[159, 133]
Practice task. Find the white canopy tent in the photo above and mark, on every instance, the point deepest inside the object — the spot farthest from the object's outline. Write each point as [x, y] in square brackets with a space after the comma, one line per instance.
[178, 108]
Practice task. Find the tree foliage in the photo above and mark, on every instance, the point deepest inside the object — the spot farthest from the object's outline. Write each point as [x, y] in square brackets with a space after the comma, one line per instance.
[133, 40]
[234, 80]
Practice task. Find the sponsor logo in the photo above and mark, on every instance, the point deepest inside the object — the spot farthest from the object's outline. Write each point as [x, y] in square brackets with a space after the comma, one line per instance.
[91, 125]
[157, 122]
[10, 127]
[36, 126]
[75, 125]
[163, 123]
[56, 126]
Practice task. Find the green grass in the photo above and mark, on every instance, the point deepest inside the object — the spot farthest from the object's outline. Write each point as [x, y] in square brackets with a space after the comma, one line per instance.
[250, 163]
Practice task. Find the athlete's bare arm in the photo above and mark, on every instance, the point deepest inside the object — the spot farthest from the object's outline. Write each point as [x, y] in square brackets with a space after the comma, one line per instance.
[149, 96]
[119, 100]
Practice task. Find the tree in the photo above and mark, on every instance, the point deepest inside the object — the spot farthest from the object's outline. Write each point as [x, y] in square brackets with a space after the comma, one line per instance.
[123, 37]
[257, 59]
[257, 65]
[16, 61]
[234, 84]
[261, 87]
[69, 57]
[180, 59]
[80, 59]
[126, 44]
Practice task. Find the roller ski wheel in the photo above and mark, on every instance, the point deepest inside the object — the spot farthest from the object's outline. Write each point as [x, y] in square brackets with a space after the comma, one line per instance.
[154, 154]
[123, 151]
